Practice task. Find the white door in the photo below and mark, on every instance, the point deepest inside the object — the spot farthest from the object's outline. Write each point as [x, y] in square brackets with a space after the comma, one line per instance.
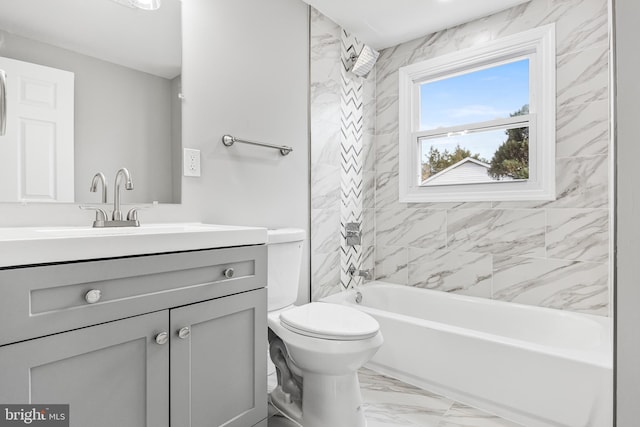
[37, 148]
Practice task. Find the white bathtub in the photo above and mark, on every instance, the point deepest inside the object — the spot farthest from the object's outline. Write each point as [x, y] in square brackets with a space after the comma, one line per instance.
[532, 365]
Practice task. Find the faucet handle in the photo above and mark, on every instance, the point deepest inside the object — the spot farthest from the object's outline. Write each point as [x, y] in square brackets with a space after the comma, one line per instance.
[101, 215]
[132, 215]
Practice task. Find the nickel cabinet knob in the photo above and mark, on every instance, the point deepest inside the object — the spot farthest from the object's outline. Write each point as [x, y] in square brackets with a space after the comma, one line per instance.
[93, 296]
[228, 273]
[162, 338]
[184, 333]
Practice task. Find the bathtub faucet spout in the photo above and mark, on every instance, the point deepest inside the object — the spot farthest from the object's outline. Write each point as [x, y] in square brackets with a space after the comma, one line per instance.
[360, 273]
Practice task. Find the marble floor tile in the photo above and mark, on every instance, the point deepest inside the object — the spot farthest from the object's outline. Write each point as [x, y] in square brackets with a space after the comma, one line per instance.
[465, 416]
[389, 402]
[391, 399]
[382, 417]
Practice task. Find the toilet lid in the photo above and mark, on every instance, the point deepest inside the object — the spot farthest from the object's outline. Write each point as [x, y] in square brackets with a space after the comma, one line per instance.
[329, 321]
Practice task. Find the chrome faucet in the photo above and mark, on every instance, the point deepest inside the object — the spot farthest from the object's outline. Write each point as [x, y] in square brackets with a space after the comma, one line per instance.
[99, 177]
[117, 213]
[102, 219]
[366, 274]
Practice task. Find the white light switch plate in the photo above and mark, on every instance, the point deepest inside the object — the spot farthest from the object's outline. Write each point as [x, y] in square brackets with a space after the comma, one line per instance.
[191, 159]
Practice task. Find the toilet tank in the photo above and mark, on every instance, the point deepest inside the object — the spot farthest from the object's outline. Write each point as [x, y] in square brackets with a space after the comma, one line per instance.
[284, 258]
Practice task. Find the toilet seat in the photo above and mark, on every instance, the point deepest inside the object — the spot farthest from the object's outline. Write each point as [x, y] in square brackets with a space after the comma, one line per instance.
[329, 321]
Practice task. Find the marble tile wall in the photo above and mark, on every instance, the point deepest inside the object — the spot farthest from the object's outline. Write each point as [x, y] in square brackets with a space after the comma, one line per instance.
[325, 155]
[552, 254]
[342, 141]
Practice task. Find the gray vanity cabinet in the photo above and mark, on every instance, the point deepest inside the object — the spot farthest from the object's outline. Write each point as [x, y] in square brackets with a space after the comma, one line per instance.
[110, 374]
[214, 367]
[175, 340]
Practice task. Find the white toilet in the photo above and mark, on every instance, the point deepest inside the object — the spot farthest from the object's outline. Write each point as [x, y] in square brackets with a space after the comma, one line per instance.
[317, 348]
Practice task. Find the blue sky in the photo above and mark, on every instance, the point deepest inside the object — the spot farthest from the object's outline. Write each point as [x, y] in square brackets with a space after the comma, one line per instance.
[474, 97]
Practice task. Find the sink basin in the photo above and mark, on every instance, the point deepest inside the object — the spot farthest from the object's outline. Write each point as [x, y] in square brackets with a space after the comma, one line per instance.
[129, 231]
[38, 245]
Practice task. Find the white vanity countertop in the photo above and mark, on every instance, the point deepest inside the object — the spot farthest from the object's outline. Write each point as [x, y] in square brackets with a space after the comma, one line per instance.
[39, 245]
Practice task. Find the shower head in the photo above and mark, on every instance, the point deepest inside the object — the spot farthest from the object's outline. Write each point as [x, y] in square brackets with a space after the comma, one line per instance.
[363, 63]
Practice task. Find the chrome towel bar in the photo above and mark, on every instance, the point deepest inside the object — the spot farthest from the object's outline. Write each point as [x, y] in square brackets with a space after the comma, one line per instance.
[228, 141]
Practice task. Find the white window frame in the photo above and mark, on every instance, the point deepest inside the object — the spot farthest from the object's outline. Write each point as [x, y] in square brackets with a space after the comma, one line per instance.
[537, 45]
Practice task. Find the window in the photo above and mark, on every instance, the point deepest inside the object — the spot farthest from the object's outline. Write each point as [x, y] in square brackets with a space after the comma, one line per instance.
[479, 124]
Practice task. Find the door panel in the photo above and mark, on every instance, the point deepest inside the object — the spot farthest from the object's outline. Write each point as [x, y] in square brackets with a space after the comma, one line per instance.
[112, 374]
[218, 373]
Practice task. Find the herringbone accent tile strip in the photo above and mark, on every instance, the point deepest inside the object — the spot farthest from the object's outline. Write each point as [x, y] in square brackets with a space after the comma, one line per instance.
[351, 127]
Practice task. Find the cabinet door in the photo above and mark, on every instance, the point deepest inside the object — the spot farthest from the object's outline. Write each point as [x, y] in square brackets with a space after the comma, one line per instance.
[218, 371]
[114, 374]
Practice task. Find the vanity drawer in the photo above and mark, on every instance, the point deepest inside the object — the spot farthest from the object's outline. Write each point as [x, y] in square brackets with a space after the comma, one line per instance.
[42, 300]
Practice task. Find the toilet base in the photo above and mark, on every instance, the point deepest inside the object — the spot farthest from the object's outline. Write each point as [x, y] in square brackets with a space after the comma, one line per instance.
[283, 403]
[330, 400]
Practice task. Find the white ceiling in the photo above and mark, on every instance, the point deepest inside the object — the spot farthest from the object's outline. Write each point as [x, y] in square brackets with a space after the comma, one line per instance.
[385, 23]
[148, 41]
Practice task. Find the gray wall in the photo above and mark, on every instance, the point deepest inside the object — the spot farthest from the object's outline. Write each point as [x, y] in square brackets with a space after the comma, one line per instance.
[247, 64]
[245, 72]
[122, 118]
[627, 93]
